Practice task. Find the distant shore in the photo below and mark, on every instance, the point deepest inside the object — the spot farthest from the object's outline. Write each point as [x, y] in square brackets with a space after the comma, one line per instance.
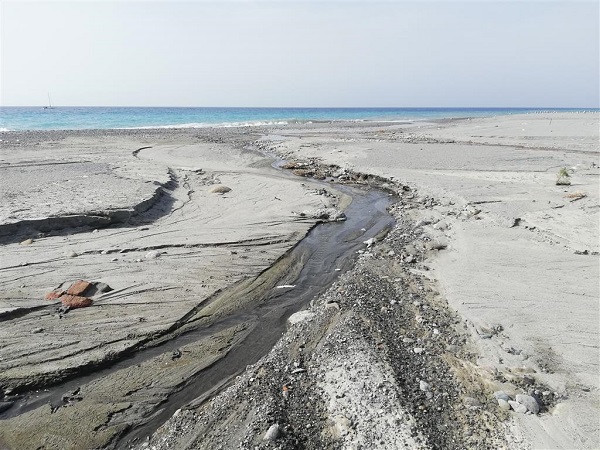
[487, 283]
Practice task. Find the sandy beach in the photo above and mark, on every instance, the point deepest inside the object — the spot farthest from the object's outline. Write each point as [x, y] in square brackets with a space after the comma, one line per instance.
[466, 316]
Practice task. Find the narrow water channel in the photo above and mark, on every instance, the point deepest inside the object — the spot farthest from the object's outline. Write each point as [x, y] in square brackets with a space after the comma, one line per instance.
[328, 250]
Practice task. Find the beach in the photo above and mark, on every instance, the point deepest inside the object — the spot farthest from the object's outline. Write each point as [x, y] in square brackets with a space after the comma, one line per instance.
[466, 316]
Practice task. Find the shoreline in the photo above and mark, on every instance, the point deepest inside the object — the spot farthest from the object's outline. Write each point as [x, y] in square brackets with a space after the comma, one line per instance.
[473, 180]
[411, 116]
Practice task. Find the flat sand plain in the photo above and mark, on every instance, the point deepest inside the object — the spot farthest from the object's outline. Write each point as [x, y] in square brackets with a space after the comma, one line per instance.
[515, 273]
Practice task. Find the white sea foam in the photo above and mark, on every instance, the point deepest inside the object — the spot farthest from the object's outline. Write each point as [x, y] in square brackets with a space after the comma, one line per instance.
[258, 123]
[4, 130]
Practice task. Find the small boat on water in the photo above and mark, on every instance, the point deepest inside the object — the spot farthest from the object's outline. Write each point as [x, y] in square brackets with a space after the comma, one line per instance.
[49, 103]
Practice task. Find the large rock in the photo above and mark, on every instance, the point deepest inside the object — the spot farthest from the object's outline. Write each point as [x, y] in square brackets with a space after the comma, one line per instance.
[529, 402]
[79, 287]
[75, 301]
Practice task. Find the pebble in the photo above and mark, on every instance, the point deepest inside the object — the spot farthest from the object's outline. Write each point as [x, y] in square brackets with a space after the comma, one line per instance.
[424, 386]
[272, 433]
[71, 254]
[369, 242]
[529, 402]
[501, 395]
[152, 255]
[418, 350]
[219, 189]
[518, 407]
[503, 404]
[27, 242]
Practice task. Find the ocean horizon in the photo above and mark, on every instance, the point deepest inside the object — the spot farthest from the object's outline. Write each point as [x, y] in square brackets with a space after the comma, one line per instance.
[23, 118]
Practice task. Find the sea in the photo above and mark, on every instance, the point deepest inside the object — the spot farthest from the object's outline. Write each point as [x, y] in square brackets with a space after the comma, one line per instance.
[82, 118]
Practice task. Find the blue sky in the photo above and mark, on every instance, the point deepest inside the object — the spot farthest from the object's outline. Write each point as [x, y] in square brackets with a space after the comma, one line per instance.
[300, 53]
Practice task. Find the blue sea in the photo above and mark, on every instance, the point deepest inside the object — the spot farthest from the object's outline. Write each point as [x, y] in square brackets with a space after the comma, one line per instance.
[80, 118]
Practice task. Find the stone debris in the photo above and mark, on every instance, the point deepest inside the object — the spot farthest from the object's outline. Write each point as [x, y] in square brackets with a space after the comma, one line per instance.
[54, 295]
[529, 402]
[75, 301]
[78, 294]
[79, 287]
[219, 189]
[152, 254]
[272, 433]
[517, 407]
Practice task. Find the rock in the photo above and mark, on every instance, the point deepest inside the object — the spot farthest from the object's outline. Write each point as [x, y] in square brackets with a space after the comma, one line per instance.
[300, 316]
[272, 433]
[529, 402]
[37, 330]
[369, 242]
[515, 222]
[71, 254]
[219, 189]
[27, 242]
[517, 407]
[330, 214]
[152, 255]
[98, 288]
[410, 259]
[424, 386]
[75, 301]
[501, 395]
[341, 426]
[78, 287]
[418, 350]
[422, 222]
[54, 295]
[503, 404]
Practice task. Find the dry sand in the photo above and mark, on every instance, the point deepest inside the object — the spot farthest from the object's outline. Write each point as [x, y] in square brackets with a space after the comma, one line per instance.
[508, 302]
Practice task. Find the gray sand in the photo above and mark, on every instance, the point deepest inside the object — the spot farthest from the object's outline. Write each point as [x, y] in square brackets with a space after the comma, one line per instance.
[518, 266]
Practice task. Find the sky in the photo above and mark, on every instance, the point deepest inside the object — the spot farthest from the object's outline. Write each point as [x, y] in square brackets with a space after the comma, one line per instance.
[304, 53]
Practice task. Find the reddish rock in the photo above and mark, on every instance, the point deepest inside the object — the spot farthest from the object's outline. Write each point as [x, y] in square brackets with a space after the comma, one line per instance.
[54, 295]
[75, 301]
[79, 287]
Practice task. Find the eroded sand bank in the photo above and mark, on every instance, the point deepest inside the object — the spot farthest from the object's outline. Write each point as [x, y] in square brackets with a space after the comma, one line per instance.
[488, 282]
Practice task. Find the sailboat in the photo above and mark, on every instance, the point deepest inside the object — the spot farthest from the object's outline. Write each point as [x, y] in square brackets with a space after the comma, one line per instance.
[49, 103]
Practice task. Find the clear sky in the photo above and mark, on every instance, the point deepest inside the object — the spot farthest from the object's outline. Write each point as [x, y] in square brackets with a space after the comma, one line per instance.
[300, 53]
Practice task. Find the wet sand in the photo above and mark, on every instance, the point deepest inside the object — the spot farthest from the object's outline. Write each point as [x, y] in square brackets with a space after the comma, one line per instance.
[488, 282]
